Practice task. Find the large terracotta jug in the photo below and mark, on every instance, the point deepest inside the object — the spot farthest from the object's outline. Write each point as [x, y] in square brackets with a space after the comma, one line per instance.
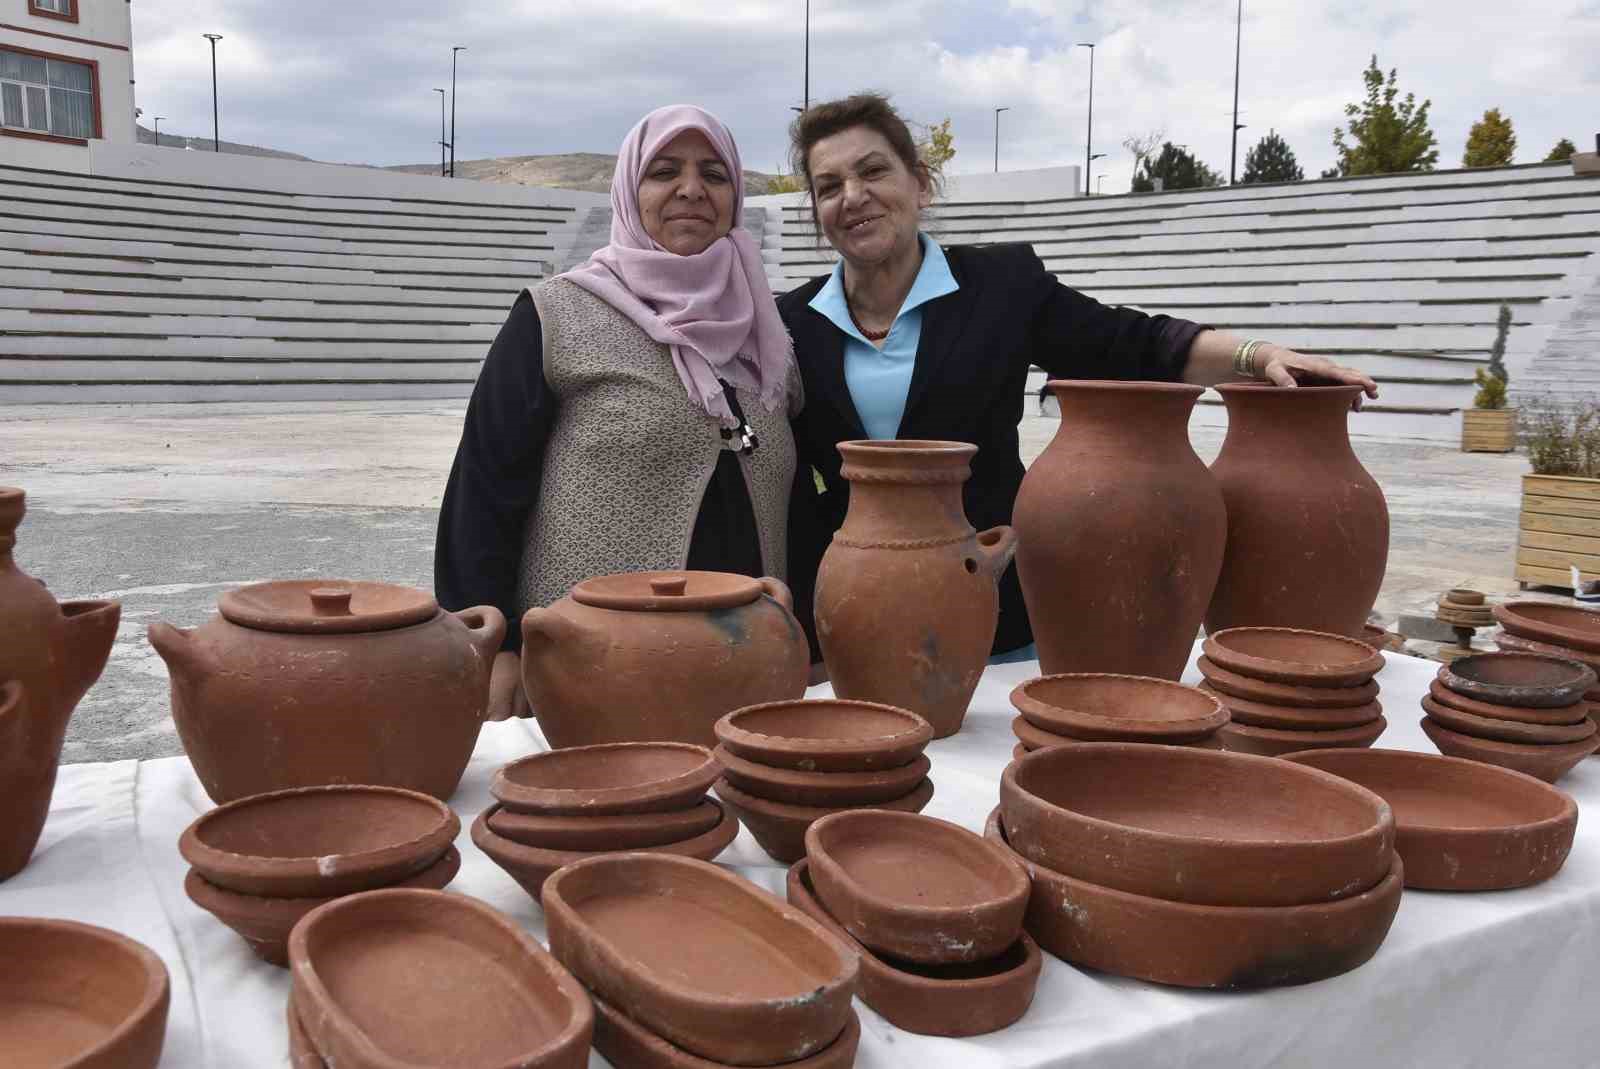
[906, 596]
[54, 652]
[1120, 531]
[1308, 528]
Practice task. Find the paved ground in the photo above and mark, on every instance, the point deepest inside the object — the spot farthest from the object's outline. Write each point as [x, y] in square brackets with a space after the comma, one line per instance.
[164, 506]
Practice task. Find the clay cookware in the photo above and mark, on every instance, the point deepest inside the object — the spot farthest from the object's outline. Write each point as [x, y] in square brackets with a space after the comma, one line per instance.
[1035, 738]
[1259, 690]
[700, 957]
[825, 735]
[619, 831]
[1485, 727]
[1517, 644]
[1546, 761]
[1295, 717]
[968, 999]
[1298, 658]
[916, 888]
[400, 978]
[1462, 825]
[303, 1054]
[1199, 826]
[659, 656]
[1100, 707]
[299, 683]
[1575, 713]
[319, 842]
[822, 788]
[609, 778]
[1273, 742]
[625, 1043]
[74, 996]
[1205, 946]
[780, 827]
[1529, 679]
[1559, 625]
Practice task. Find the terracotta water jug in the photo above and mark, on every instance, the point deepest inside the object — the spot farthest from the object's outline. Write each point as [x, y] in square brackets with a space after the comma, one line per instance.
[55, 652]
[1308, 527]
[1120, 532]
[906, 596]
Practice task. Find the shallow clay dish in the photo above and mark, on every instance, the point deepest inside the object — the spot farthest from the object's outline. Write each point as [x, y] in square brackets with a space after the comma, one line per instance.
[1035, 738]
[1557, 625]
[303, 1054]
[1546, 762]
[1099, 707]
[780, 828]
[825, 735]
[1232, 684]
[1296, 718]
[1517, 644]
[1289, 655]
[412, 978]
[1019, 751]
[704, 959]
[1485, 727]
[1206, 946]
[74, 996]
[1576, 713]
[917, 888]
[821, 788]
[1274, 742]
[1462, 825]
[627, 1044]
[1196, 826]
[1529, 679]
[934, 1000]
[618, 831]
[609, 778]
[319, 842]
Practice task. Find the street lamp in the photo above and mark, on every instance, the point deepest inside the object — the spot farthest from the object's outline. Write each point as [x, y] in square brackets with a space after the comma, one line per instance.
[1238, 45]
[1088, 148]
[216, 143]
[441, 130]
[453, 50]
[1100, 186]
[805, 97]
[997, 112]
[158, 119]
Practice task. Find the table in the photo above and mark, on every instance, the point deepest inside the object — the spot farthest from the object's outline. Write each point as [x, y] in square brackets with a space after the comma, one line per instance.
[1508, 978]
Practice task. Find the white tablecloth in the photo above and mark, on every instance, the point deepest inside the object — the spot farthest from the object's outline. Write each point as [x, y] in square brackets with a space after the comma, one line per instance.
[1504, 979]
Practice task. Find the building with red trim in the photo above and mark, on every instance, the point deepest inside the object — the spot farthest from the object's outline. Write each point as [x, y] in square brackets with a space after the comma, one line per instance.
[66, 71]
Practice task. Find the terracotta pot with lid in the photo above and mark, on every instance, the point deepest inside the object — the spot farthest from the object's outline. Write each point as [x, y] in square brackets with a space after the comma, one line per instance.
[659, 656]
[301, 683]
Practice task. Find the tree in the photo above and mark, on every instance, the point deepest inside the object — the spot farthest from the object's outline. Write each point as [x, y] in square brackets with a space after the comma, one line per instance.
[936, 145]
[1491, 142]
[1177, 169]
[1385, 137]
[1143, 146]
[1563, 151]
[1272, 160]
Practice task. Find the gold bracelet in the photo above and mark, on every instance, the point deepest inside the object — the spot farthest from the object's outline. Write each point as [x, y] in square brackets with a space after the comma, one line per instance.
[1244, 359]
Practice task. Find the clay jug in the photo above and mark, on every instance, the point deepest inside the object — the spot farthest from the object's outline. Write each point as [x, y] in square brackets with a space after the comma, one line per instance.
[906, 596]
[1120, 531]
[55, 652]
[1308, 528]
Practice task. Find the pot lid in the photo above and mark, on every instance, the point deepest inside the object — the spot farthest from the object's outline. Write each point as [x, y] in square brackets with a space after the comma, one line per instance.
[667, 591]
[326, 606]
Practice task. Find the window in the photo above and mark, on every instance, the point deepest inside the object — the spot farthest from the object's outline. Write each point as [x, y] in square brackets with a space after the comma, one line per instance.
[44, 95]
[63, 9]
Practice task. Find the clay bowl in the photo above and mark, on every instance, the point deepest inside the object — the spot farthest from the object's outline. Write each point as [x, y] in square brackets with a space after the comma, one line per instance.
[821, 788]
[1100, 707]
[1196, 826]
[825, 735]
[1296, 718]
[1507, 730]
[1576, 713]
[705, 960]
[1289, 655]
[74, 996]
[1557, 625]
[1528, 679]
[1274, 742]
[1190, 945]
[303, 1054]
[265, 923]
[619, 831]
[969, 999]
[780, 827]
[1462, 825]
[1232, 684]
[1517, 644]
[608, 778]
[1033, 738]
[1546, 762]
[628, 1044]
[410, 978]
[319, 842]
[531, 866]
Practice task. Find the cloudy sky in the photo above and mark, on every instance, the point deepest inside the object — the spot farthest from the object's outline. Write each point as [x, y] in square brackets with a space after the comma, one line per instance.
[353, 81]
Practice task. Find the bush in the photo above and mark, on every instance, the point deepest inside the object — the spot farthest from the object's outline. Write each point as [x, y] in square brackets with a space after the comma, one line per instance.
[1562, 439]
[1491, 390]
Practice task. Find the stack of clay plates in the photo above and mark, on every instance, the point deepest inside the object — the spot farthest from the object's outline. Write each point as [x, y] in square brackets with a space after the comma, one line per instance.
[1524, 711]
[788, 764]
[1196, 867]
[1098, 707]
[1464, 608]
[1560, 630]
[1293, 690]
[554, 808]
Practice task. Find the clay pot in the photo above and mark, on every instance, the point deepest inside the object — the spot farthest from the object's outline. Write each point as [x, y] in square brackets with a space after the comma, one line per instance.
[822, 788]
[55, 652]
[700, 957]
[624, 1042]
[906, 595]
[1557, 625]
[1485, 727]
[619, 831]
[825, 735]
[659, 656]
[300, 683]
[1120, 532]
[1509, 642]
[1097, 707]
[390, 978]
[1274, 742]
[1220, 829]
[75, 996]
[1293, 717]
[1308, 528]
[1528, 679]
[319, 842]
[969, 999]
[303, 1054]
[1032, 737]
[1576, 713]
[1548, 762]
[1462, 825]
[1191, 945]
[608, 778]
[1296, 658]
[1235, 685]
[780, 828]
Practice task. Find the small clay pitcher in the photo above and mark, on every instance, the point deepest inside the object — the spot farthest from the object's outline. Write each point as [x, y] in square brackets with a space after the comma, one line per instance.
[55, 652]
[907, 596]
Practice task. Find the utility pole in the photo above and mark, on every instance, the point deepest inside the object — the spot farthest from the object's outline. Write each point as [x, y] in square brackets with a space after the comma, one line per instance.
[441, 131]
[216, 141]
[997, 112]
[454, 49]
[1238, 45]
[1088, 148]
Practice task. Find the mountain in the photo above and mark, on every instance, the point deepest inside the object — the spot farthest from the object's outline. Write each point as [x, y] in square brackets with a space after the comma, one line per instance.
[146, 136]
[588, 171]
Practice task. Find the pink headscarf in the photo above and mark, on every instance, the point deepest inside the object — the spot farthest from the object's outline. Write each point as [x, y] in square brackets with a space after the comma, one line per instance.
[714, 308]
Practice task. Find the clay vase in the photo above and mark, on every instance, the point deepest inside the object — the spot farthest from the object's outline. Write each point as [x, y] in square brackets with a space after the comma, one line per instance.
[1308, 527]
[302, 683]
[1120, 532]
[55, 652]
[907, 594]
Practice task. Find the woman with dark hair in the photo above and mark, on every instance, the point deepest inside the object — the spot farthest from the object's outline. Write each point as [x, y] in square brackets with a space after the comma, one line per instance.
[908, 339]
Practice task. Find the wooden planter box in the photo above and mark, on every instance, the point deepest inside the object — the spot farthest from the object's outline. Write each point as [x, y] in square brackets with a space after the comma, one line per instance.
[1560, 526]
[1488, 430]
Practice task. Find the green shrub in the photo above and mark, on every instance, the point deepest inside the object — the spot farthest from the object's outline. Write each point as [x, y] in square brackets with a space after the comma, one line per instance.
[1562, 439]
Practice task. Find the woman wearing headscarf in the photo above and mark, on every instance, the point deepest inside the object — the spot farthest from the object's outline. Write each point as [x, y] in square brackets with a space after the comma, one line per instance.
[633, 413]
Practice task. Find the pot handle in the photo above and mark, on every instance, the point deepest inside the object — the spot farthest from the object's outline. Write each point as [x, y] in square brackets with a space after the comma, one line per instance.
[177, 647]
[486, 628]
[997, 546]
[777, 591]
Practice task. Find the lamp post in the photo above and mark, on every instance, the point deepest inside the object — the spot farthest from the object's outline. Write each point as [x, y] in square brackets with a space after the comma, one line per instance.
[453, 50]
[216, 142]
[805, 93]
[441, 130]
[997, 112]
[1100, 186]
[1238, 45]
[158, 119]
[1088, 148]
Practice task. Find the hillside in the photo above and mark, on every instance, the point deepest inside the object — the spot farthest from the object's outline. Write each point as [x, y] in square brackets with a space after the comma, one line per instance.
[588, 171]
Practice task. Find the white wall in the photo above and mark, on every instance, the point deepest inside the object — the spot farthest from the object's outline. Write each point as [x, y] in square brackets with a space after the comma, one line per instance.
[106, 21]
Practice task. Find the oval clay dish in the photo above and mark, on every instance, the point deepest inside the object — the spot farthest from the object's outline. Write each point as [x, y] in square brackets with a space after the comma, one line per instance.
[825, 735]
[618, 831]
[1196, 826]
[704, 959]
[821, 788]
[74, 995]
[1529, 679]
[1103, 707]
[1557, 625]
[1292, 656]
[1462, 825]
[1485, 727]
[1576, 713]
[780, 828]
[629, 1045]
[1259, 690]
[608, 778]
[1274, 742]
[1296, 718]
[1548, 762]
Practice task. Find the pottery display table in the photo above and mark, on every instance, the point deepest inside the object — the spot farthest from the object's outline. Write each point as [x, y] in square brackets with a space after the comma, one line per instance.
[1506, 978]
